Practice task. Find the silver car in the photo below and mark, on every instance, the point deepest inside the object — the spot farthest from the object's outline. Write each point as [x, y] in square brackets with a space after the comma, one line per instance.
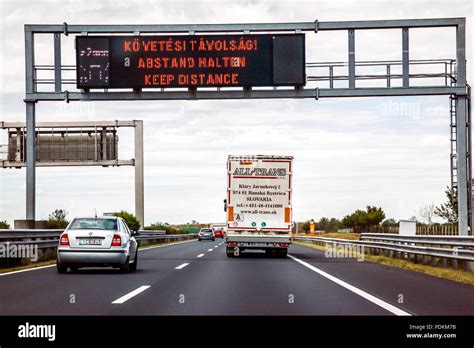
[206, 234]
[97, 242]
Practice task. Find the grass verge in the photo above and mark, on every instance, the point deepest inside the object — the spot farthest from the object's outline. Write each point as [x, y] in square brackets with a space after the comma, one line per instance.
[446, 273]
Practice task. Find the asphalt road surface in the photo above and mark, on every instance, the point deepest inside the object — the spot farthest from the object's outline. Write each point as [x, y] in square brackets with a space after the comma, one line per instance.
[197, 278]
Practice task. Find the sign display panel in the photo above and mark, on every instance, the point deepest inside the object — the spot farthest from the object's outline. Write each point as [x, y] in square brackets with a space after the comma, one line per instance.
[93, 65]
[190, 61]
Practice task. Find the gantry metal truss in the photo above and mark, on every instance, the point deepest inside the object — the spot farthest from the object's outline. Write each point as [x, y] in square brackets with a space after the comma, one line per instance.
[77, 144]
[453, 80]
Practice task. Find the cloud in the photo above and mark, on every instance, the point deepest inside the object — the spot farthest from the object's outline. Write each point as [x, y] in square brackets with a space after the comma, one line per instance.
[392, 152]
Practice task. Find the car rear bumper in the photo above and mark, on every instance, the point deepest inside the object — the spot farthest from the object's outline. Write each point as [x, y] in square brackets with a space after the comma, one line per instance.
[206, 237]
[92, 258]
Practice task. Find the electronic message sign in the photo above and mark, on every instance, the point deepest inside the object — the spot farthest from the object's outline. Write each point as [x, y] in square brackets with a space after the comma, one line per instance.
[190, 61]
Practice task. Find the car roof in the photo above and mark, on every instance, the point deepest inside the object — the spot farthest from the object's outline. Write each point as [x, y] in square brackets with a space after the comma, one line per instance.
[97, 217]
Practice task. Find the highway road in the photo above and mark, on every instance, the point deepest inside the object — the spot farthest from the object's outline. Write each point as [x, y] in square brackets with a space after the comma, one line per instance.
[197, 278]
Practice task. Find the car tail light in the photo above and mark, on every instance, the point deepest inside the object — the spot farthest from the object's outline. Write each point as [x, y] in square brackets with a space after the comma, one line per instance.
[64, 239]
[116, 241]
[284, 245]
[232, 244]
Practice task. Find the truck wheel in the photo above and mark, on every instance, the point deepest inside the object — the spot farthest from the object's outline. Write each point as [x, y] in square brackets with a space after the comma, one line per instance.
[229, 252]
[283, 253]
[269, 252]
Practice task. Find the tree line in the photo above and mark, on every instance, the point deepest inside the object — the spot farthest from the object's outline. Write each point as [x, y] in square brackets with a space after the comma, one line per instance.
[358, 221]
[363, 219]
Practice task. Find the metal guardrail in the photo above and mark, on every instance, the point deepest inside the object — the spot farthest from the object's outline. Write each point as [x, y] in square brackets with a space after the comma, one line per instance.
[50, 238]
[455, 248]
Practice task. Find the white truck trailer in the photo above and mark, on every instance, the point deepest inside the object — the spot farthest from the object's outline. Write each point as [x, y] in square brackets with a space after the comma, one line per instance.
[258, 204]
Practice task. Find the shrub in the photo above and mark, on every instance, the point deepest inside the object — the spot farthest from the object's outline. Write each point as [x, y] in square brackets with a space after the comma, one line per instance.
[167, 228]
[57, 219]
[132, 222]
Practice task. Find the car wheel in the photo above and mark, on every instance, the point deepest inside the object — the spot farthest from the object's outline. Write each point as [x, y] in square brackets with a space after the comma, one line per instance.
[199, 239]
[126, 267]
[213, 239]
[61, 269]
[133, 266]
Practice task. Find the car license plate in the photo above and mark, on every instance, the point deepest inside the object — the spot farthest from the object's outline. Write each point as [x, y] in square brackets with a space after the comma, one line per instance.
[90, 241]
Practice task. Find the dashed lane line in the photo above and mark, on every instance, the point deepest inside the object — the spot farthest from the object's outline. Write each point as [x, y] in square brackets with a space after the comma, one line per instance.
[182, 266]
[131, 294]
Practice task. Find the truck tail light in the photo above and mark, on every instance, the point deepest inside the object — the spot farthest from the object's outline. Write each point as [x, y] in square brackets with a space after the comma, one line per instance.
[232, 244]
[287, 214]
[230, 213]
[64, 239]
[283, 245]
[116, 240]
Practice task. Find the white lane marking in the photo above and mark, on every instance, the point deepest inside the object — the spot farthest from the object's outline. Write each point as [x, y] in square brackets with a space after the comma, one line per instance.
[131, 294]
[182, 266]
[210, 249]
[26, 270]
[362, 293]
[54, 265]
[215, 246]
[200, 255]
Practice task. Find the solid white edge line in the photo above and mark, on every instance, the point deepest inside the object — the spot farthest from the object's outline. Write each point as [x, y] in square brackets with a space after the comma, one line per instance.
[182, 266]
[54, 264]
[362, 293]
[131, 294]
[200, 255]
[27, 269]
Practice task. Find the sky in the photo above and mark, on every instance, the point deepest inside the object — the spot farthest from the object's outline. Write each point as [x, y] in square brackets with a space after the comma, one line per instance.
[348, 152]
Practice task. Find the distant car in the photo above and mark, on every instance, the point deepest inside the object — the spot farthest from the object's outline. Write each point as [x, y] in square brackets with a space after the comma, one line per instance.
[206, 234]
[219, 233]
[97, 242]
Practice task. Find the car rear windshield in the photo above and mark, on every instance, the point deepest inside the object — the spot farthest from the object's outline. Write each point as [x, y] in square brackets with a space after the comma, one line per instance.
[206, 231]
[94, 224]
